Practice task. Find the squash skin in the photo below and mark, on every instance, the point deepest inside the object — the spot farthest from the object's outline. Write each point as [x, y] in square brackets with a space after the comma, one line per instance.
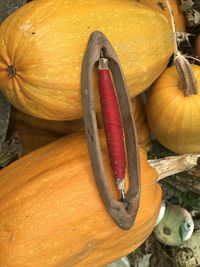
[142, 127]
[45, 41]
[160, 5]
[34, 133]
[51, 213]
[173, 117]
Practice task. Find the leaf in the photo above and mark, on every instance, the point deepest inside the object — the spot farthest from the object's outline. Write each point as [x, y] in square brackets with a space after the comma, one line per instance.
[10, 150]
[193, 17]
[186, 4]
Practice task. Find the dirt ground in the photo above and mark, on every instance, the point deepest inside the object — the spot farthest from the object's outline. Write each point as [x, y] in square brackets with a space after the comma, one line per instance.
[8, 6]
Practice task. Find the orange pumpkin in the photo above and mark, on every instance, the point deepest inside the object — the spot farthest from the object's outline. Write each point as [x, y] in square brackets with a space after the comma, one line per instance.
[160, 5]
[173, 116]
[42, 46]
[51, 213]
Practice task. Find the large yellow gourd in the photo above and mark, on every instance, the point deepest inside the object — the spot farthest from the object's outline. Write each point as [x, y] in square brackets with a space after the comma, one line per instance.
[51, 213]
[42, 46]
[161, 6]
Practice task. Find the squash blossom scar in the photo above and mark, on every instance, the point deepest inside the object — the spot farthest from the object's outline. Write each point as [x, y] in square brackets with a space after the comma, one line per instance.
[11, 71]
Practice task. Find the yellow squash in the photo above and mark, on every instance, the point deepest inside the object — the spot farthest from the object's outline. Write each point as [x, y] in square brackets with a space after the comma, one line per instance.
[34, 133]
[51, 213]
[142, 127]
[160, 5]
[42, 46]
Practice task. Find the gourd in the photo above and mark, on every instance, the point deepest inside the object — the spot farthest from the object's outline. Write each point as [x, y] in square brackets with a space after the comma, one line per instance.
[176, 226]
[42, 46]
[34, 132]
[173, 111]
[142, 127]
[51, 213]
[140, 118]
[160, 5]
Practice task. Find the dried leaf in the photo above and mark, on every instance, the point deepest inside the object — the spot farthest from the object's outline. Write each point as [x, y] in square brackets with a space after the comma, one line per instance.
[10, 150]
[195, 171]
[4, 117]
[193, 17]
[186, 5]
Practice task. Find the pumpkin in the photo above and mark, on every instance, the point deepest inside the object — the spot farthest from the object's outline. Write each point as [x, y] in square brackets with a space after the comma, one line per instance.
[51, 213]
[160, 5]
[42, 46]
[34, 132]
[173, 114]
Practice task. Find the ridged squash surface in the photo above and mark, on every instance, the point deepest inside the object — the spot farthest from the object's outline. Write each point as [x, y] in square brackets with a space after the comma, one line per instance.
[42, 46]
[51, 213]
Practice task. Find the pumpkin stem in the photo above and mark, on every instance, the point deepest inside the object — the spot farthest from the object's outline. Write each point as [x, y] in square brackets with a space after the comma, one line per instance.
[188, 83]
[175, 164]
